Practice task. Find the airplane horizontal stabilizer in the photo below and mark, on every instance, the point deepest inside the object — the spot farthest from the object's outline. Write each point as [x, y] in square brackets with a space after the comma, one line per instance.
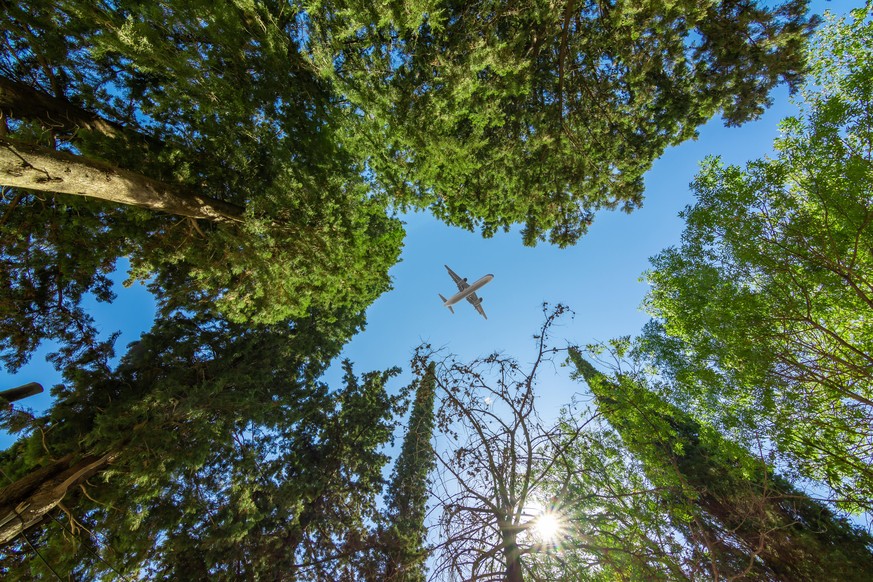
[444, 300]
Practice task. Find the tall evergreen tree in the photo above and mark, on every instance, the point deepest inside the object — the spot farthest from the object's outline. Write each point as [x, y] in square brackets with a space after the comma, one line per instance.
[297, 501]
[614, 522]
[211, 120]
[408, 491]
[539, 113]
[200, 414]
[756, 522]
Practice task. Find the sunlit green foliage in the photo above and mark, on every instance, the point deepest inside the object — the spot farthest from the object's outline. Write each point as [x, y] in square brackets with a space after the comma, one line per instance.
[231, 460]
[764, 310]
[313, 117]
[737, 515]
[615, 523]
[217, 102]
[499, 113]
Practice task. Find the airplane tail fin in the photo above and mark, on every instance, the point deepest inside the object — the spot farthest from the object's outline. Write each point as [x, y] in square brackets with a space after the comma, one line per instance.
[444, 300]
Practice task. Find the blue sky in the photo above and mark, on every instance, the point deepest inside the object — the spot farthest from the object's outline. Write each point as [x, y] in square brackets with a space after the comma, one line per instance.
[599, 277]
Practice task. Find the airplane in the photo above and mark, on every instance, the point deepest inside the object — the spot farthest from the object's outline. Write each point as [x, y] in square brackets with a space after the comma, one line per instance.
[466, 291]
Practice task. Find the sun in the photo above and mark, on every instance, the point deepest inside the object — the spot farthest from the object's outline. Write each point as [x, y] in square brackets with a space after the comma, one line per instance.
[546, 523]
[547, 526]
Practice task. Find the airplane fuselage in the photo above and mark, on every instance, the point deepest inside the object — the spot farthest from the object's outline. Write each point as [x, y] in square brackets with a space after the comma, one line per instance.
[468, 291]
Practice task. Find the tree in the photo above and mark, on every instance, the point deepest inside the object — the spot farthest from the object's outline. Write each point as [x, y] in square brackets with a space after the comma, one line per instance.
[489, 475]
[762, 312]
[264, 212]
[504, 113]
[36, 168]
[752, 521]
[211, 450]
[278, 170]
[406, 499]
[219, 105]
[615, 523]
[300, 503]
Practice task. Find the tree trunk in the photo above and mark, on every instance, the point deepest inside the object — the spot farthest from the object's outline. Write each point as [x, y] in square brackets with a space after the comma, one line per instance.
[512, 555]
[26, 502]
[513, 571]
[20, 101]
[36, 168]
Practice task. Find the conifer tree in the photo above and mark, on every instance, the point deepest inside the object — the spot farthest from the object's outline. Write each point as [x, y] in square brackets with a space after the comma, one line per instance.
[512, 112]
[206, 427]
[406, 501]
[754, 522]
[211, 156]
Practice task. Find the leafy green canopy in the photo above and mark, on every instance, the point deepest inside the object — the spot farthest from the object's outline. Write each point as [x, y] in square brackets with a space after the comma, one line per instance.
[616, 523]
[230, 458]
[311, 118]
[763, 312]
[52, 254]
[499, 113]
[220, 103]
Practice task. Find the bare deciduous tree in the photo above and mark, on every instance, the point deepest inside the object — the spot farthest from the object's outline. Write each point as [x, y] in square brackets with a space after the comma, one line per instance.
[496, 453]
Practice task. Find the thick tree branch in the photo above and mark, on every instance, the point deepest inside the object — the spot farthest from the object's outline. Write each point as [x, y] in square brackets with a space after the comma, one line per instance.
[26, 502]
[36, 168]
[20, 101]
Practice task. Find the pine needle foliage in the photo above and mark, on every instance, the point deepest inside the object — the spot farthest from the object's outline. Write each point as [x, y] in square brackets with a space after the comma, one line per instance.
[408, 490]
[751, 521]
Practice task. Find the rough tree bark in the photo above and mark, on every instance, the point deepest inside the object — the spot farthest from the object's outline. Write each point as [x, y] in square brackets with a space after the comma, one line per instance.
[34, 167]
[27, 501]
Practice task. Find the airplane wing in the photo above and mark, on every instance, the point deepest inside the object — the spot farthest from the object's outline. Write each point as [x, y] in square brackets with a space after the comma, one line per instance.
[477, 303]
[461, 283]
